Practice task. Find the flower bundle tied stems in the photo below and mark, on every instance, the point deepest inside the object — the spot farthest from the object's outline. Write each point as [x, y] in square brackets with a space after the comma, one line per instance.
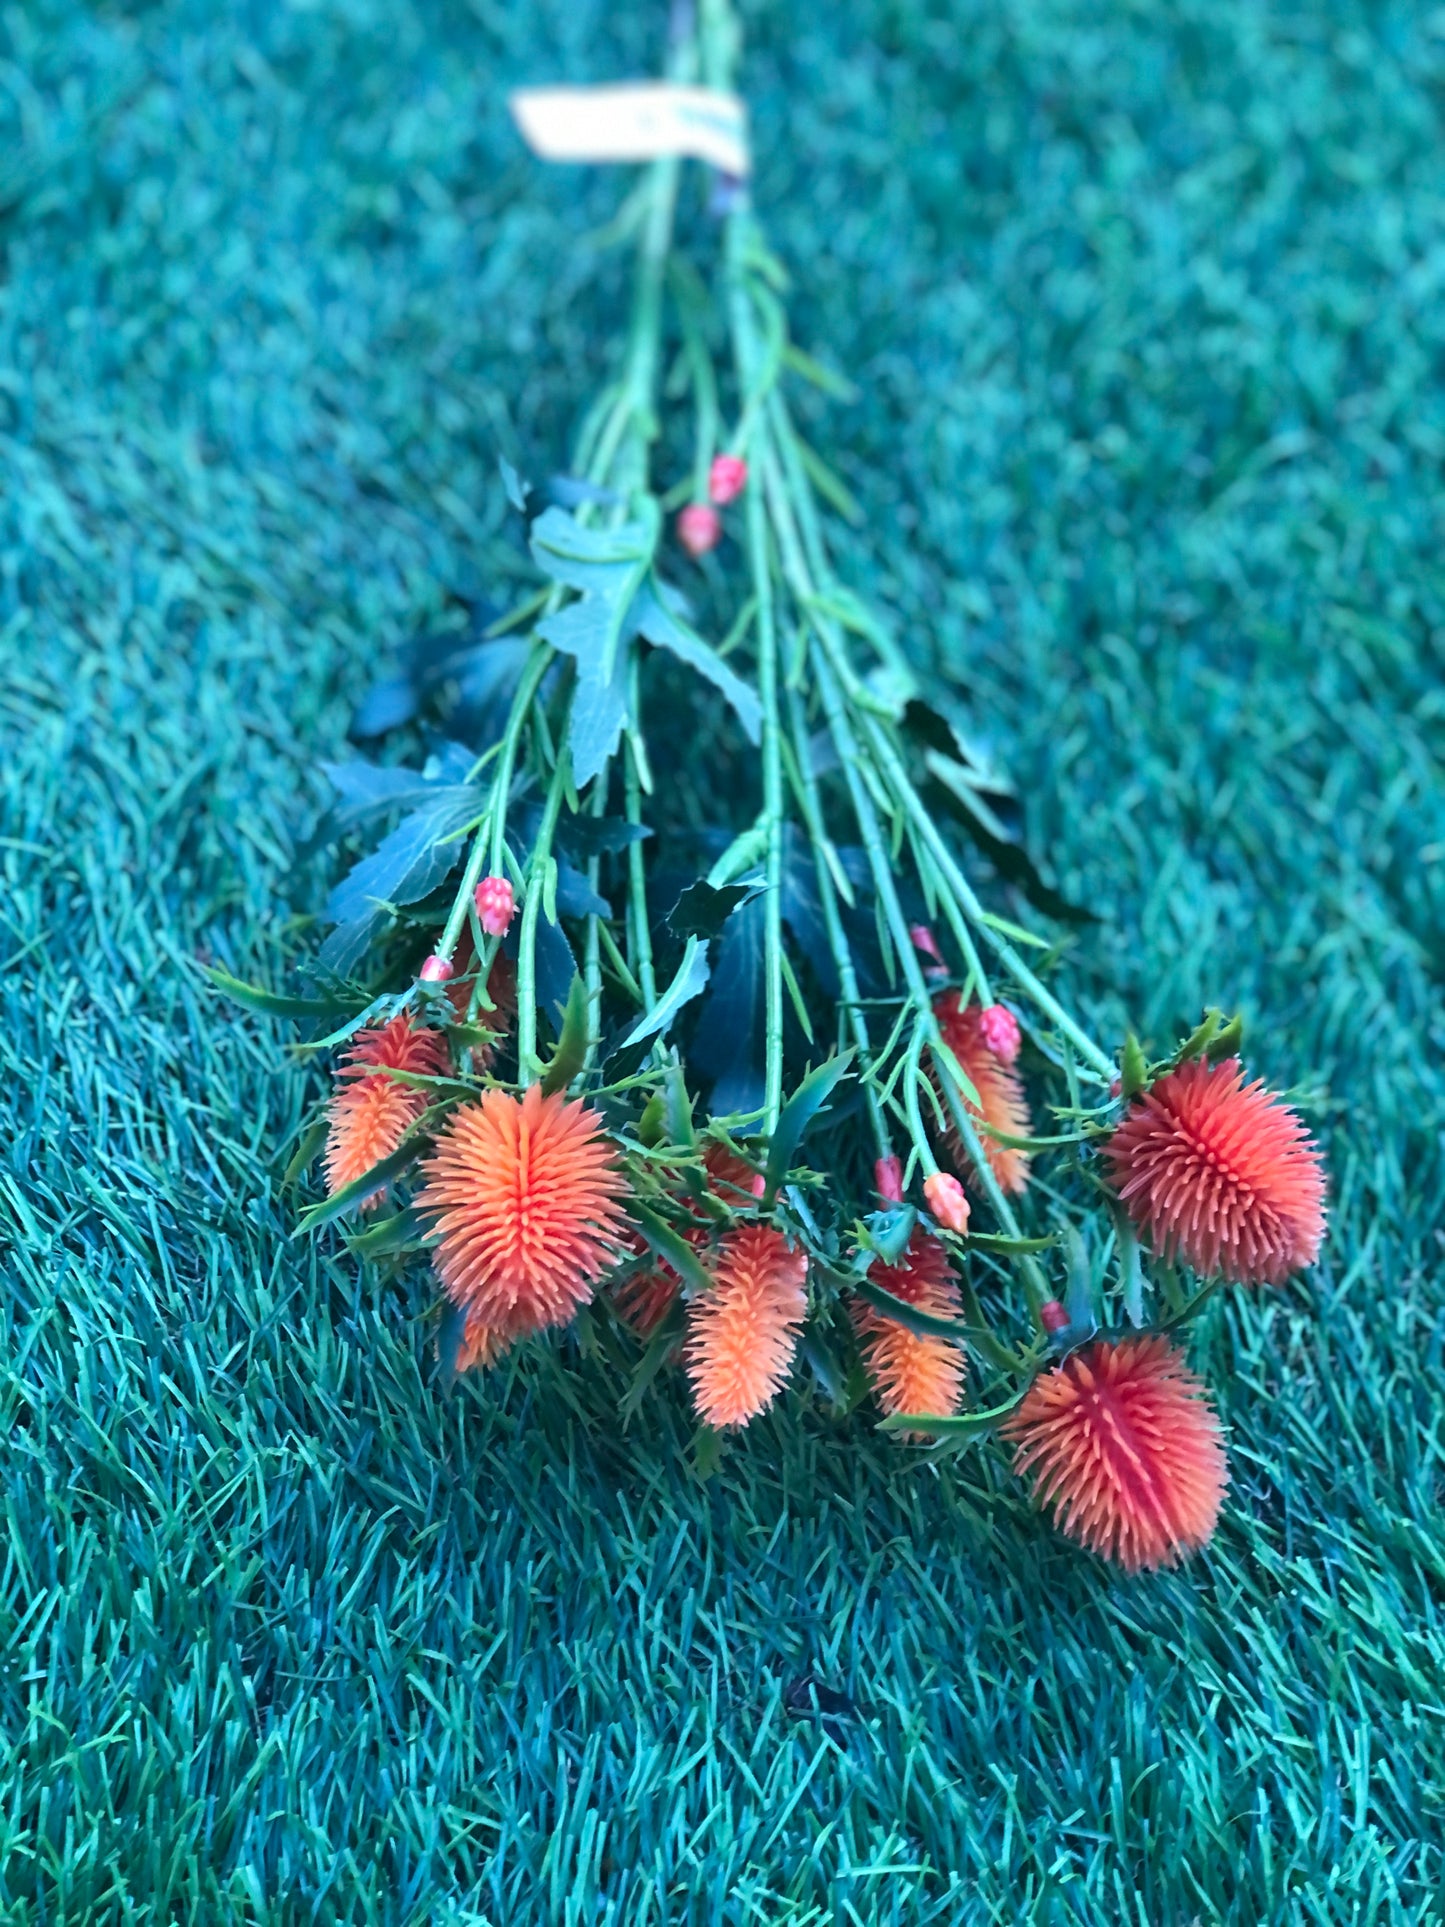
[680, 1000]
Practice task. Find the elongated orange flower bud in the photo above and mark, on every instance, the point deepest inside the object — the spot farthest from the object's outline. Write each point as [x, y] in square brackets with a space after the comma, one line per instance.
[370, 1113]
[913, 1371]
[527, 1198]
[1001, 1101]
[743, 1333]
[1125, 1449]
[1221, 1173]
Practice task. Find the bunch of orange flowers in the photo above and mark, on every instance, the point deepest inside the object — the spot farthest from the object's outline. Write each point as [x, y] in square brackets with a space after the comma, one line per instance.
[832, 1168]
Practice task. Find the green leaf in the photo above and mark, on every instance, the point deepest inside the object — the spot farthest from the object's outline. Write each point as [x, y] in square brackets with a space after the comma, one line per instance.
[887, 1232]
[702, 910]
[660, 1348]
[1134, 1070]
[1203, 1037]
[608, 566]
[1007, 1247]
[1227, 1043]
[302, 1158]
[272, 1004]
[962, 1425]
[691, 978]
[667, 631]
[350, 1195]
[902, 1313]
[797, 1114]
[818, 1356]
[571, 1052]
[402, 1231]
[670, 1246]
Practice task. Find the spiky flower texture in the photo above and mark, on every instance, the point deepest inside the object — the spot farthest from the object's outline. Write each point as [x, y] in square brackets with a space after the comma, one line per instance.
[526, 1195]
[913, 1371]
[743, 1333]
[1220, 1173]
[967, 1031]
[1125, 1449]
[370, 1113]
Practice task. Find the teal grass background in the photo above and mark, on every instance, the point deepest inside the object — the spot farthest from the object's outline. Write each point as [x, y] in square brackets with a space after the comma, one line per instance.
[1145, 308]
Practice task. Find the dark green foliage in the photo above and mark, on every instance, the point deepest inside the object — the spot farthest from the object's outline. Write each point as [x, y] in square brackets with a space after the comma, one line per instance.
[1144, 311]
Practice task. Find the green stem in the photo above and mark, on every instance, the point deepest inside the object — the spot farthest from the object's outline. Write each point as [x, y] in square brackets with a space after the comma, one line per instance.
[909, 800]
[528, 1068]
[490, 839]
[745, 351]
[811, 805]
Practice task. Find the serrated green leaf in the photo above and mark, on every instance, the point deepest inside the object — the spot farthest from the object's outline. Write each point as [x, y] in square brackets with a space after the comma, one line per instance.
[271, 1003]
[689, 980]
[381, 1173]
[664, 630]
[308, 1145]
[797, 1114]
[403, 1231]
[571, 1052]
[923, 1323]
[957, 1426]
[1134, 1069]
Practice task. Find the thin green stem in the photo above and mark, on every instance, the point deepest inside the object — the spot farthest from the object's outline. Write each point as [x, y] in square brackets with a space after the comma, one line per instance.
[745, 350]
[528, 1068]
[811, 806]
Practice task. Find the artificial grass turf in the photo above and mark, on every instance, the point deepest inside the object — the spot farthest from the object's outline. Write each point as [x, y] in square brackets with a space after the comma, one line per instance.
[1145, 312]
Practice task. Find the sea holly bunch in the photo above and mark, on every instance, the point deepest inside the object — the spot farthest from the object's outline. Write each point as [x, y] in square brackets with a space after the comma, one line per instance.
[681, 998]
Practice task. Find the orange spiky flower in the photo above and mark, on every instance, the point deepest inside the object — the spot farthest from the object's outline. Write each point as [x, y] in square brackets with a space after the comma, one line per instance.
[911, 1371]
[370, 1113]
[526, 1197]
[1221, 1173]
[1125, 1450]
[1001, 1100]
[742, 1334]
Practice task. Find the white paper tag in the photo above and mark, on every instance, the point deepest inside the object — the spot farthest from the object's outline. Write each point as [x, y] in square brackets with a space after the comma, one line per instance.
[639, 122]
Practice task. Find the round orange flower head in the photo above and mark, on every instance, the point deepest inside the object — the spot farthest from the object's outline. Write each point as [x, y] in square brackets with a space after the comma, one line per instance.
[911, 1371]
[1125, 1450]
[967, 1031]
[743, 1333]
[1220, 1173]
[526, 1196]
[370, 1113]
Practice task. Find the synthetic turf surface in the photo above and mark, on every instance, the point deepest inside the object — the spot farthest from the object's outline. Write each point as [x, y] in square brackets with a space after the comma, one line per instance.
[1145, 305]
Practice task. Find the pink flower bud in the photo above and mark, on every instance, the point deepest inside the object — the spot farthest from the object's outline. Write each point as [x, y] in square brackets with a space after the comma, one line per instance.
[999, 1029]
[758, 1184]
[436, 970]
[727, 479]
[699, 528]
[1053, 1317]
[496, 906]
[1116, 1089]
[945, 1199]
[924, 940]
[888, 1180]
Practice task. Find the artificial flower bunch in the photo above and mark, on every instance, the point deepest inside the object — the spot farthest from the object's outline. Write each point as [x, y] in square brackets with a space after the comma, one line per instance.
[678, 1005]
